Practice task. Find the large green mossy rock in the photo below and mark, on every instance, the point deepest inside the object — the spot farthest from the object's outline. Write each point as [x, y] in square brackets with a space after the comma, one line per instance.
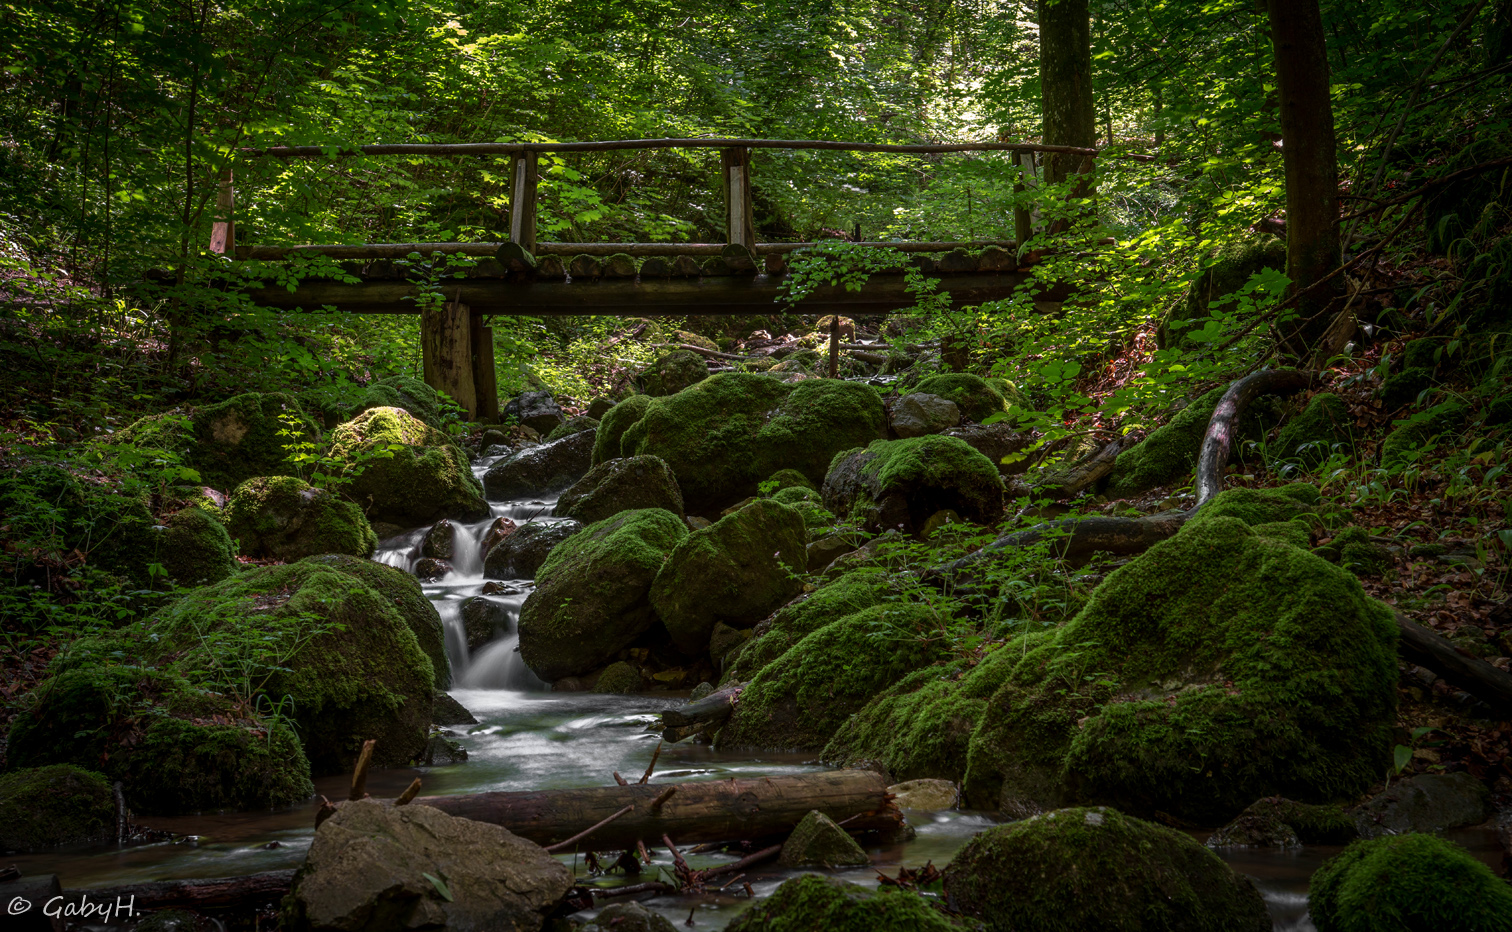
[403, 592]
[196, 548]
[614, 423]
[1233, 266]
[796, 620]
[591, 598]
[736, 571]
[175, 747]
[244, 436]
[1169, 453]
[1408, 882]
[286, 518]
[976, 397]
[1313, 435]
[405, 392]
[801, 699]
[411, 473]
[673, 372]
[729, 432]
[899, 484]
[814, 902]
[1099, 869]
[1216, 668]
[49, 807]
[354, 668]
[618, 485]
[1257, 507]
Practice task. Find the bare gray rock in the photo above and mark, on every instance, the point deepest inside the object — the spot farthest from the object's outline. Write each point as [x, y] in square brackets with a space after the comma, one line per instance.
[919, 414]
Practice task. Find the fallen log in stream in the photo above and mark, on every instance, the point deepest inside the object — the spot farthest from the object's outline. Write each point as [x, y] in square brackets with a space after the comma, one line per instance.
[722, 810]
[247, 891]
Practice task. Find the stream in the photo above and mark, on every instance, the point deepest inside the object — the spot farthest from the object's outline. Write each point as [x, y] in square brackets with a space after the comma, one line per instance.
[531, 739]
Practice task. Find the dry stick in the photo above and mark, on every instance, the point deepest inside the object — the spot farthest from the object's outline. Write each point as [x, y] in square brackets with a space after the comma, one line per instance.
[743, 863]
[736, 879]
[651, 886]
[641, 847]
[666, 794]
[652, 766]
[620, 780]
[588, 831]
[409, 793]
[359, 773]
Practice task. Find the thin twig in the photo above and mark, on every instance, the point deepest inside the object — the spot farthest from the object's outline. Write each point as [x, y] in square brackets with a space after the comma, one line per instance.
[359, 773]
[588, 831]
[409, 794]
[652, 766]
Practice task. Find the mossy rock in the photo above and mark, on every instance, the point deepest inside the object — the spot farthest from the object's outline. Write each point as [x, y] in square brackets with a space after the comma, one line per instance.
[1169, 453]
[1353, 549]
[48, 506]
[673, 372]
[242, 437]
[286, 518]
[737, 570]
[1235, 263]
[1225, 667]
[50, 807]
[628, 917]
[619, 677]
[899, 484]
[617, 485]
[790, 479]
[813, 901]
[403, 592]
[358, 671]
[1403, 388]
[976, 397]
[1097, 868]
[1294, 532]
[1408, 882]
[1421, 429]
[573, 425]
[614, 423]
[591, 596]
[801, 699]
[142, 726]
[406, 393]
[797, 495]
[196, 549]
[1256, 507]
[803, 616]
[1277, 822]
[817, 841]
[726, 434]
[171, 433]
[411, 473]
[1312, 435]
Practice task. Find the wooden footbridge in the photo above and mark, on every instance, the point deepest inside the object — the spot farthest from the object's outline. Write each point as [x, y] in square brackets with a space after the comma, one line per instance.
[529, 278]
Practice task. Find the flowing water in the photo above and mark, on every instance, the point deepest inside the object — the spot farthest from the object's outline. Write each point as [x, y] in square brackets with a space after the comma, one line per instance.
[530, 739]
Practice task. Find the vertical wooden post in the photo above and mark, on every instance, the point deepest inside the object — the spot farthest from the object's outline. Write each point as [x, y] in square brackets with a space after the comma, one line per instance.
[446, 350]
[522, 200]
[485, 379]
[740, 228]
[1023, 221]
[223, 231]
[834, 353]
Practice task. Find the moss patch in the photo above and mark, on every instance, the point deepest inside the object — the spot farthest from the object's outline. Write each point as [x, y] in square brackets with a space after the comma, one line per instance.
[619, 677]
[1169, 453]
[1408, 882]
[412, 474]
[573, 425]
[1312, 435]
[673, 372]
[977, 398]
[239, 438]
[1099, 869]
[49, 807]
[614, 423]
[403, 592]
[1257, 507]
[796, 620]
[196, 549]
[899, 484]
[812, 902]
[286, 518]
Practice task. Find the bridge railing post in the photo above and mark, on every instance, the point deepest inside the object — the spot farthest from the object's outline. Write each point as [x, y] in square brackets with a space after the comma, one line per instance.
[223, 230]
[739, 227]
[525, 179]
[446, 352]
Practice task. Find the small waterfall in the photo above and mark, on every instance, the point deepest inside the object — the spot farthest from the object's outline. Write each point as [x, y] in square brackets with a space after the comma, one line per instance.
[498, 666]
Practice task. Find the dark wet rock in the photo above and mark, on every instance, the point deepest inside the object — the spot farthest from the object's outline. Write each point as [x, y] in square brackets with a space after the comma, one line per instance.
[919, 414]
[497, 531]
[440, 541]
[431, 569]
[1429, 802]
[520, 555]
[628, 917]
[1145, 877]
[541, 470]
[49, 807]
[536, 410]
[813, 901]
[899, 484]
[1276, 822]
[620, 485]
[448, 711]
[366, 871]
[441, 750]
[818, 842]
[483, 619]
[619, 677]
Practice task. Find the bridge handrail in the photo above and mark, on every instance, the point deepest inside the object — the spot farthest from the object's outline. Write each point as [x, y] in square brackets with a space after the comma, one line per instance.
[695, 142]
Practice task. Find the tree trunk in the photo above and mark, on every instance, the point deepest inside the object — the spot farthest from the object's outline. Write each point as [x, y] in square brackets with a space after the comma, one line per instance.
[1066, 83]
[1308, 150]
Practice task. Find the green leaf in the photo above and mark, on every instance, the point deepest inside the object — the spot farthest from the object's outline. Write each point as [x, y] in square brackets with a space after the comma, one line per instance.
[1401, 756]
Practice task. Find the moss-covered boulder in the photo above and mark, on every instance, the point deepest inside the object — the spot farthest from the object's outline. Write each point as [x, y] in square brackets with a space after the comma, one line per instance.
[1313, 435]
[410, 473]
[620, 485]
[809, 504]
[801, 699]
[175, 747]
[1424, 428]
[404, 392]
[614, 423]
[286, 518]
[1405, 386]
[812, 901]
[803, 616]
[1216, 668]
[1169, 453]
[403, 592]
[542, 469]
[737, 571]
[628, 917]
[899, 484]
[1099, 869]
[592, 594]
[1353, 549]
[672, 372]
[342, 657]
[619, 677]
[573, 425]
[726, 434]
[49, 807]
[817, 841]
[196, 549]
[1233, 265]
[1258, 507]
[1408, 882]
[243, 437]
[1277, 822]
[975, 397]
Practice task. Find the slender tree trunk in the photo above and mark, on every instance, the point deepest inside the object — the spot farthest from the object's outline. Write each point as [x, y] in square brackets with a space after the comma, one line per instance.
[1307, 140]
[1070, 119]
